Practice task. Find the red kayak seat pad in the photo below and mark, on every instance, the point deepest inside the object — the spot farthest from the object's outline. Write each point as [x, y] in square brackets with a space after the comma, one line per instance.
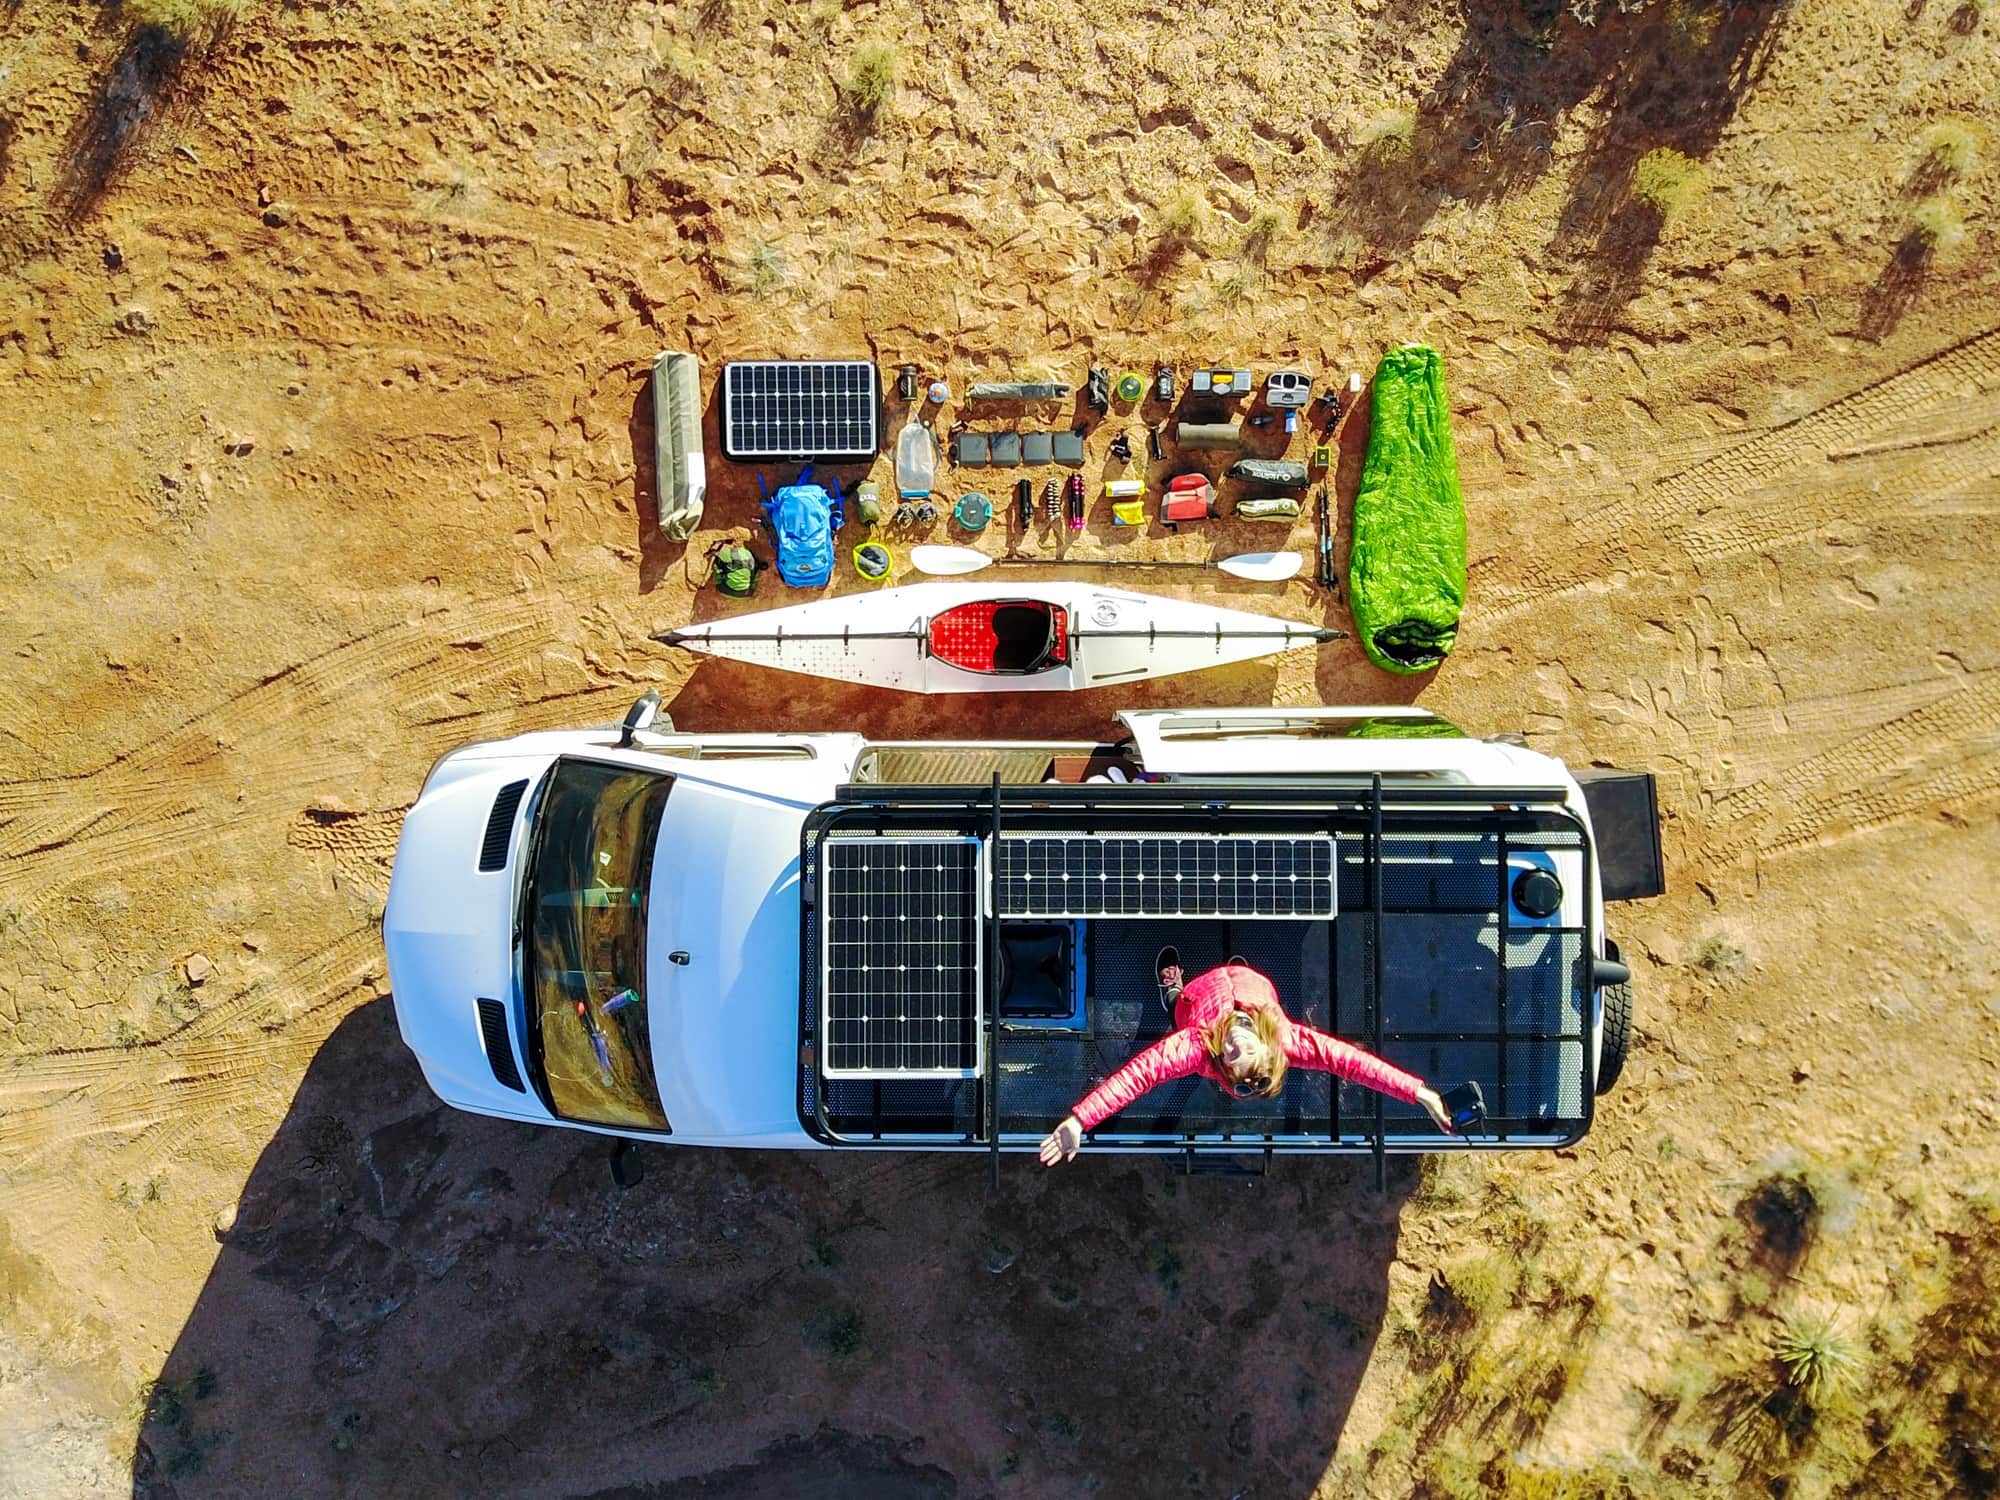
[1001, 635]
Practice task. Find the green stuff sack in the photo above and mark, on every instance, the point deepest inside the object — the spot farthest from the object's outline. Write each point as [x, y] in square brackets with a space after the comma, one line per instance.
[735, 570]
[1406, 571]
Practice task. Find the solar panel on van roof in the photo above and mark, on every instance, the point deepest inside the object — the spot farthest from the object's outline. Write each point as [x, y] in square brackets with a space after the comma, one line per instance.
[903, 957]
[826, 409]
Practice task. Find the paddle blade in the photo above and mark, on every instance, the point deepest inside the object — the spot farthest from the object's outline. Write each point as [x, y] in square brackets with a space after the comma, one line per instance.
[1265, 567]
[950, 562]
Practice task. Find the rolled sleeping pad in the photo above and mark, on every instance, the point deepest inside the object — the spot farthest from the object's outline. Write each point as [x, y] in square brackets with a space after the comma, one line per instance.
[1209, 434]
[1269, 508]
[1279, 471]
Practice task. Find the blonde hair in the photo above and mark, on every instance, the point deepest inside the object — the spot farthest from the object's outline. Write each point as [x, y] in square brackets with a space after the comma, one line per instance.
[1269, 1024]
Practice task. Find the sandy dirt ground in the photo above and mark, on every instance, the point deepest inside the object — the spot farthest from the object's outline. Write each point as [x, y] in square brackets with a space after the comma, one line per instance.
[324, 448]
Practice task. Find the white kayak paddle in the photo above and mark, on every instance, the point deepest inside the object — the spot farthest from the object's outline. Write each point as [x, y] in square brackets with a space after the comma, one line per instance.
[954, 562]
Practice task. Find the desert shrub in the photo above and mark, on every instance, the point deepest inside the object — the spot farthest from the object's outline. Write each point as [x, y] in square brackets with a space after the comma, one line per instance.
[1184, 217]
[1938, 223]
[839, 1334]
[1234, 288]
[182, 18]
[1719, 958]
[1793, 1202]
[1816, 1353]
[677, 63]
[1755, 1289]
[1266, 228]
[1667, 180]
[871, 77]
[1390, 135]
[1952, 144]
[1485, 1284]
[764, 269]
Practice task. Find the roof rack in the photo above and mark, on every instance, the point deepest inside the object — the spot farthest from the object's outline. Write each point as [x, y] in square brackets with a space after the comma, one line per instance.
[1416, 865]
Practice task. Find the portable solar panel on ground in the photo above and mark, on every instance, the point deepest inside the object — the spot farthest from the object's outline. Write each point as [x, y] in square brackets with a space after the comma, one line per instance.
[800, 409]
[901, 947]
[1183, 875]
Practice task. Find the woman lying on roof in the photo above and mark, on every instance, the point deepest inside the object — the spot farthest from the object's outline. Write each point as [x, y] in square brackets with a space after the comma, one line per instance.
[1230, 1027]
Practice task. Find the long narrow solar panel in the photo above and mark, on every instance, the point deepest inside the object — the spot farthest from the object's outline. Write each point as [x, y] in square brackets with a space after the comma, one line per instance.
[903, 958]
[807, 408]
[1191, 875]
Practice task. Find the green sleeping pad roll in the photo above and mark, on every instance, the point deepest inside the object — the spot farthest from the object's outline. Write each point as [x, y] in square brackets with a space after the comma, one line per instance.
[1406, 571]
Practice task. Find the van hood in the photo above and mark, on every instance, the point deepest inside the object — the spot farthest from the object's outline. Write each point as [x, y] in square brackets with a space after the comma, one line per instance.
[448, 929]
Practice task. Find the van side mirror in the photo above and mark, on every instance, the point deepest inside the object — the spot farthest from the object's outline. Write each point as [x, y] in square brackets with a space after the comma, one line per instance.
[640, 716]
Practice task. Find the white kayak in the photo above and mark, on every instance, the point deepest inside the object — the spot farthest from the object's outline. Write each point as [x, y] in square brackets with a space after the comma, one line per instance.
[1029, 637]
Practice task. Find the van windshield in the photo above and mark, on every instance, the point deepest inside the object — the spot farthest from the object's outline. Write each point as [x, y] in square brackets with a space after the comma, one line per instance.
[584, 916]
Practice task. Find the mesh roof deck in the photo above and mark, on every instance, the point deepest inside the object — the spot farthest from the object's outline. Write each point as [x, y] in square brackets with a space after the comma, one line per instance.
[1449, 981]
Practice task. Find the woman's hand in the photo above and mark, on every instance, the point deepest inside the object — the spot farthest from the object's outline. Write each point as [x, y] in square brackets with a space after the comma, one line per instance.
[1433, 1106]
[1062, 1143]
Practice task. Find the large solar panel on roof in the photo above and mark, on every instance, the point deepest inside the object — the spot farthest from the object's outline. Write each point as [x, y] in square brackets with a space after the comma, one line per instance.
[801, 408]
[903, 958]
[1174, 875]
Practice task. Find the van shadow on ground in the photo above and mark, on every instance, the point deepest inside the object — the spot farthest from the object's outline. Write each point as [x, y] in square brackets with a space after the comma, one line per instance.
[414, 1300]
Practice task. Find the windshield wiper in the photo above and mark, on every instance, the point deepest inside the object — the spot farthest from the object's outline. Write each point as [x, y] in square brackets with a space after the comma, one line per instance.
[530, 854]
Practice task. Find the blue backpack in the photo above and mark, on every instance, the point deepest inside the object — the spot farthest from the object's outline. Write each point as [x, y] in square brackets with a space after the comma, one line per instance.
[802, 519]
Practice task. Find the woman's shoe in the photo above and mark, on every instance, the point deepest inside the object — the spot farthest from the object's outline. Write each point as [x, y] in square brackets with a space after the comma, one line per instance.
[1167, 969]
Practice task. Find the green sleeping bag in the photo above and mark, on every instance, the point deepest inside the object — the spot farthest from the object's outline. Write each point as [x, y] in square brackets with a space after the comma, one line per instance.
[1406, 571]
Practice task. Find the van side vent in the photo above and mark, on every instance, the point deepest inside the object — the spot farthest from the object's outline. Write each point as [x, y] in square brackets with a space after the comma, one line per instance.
[500, 826]
[499, 1045]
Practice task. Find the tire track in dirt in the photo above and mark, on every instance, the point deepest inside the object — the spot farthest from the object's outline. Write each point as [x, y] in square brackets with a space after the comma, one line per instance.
[144, 806]
[156, 1092]
[1863, 782]
[1658, 516]
[363, 845]
[1833, 816]
[1841, 423]
[1973, 459]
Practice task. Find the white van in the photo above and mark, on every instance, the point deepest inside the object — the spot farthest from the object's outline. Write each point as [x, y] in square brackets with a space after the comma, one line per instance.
[822, 941]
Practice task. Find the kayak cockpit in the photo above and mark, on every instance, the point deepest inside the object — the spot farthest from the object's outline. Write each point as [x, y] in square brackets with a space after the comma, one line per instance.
[1001, 637]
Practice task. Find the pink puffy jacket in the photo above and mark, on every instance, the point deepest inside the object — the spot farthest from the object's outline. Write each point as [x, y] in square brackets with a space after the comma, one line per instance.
[1184, 1050]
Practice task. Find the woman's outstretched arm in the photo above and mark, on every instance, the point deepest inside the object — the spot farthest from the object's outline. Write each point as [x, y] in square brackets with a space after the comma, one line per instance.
[1172, 1056]
[1309, 1047]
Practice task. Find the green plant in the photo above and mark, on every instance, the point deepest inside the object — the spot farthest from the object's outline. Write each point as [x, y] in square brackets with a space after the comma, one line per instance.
[1755, 1289]
[840, 1333]
[1816, 1352]
[678, 61]
[1063, 1293]
[1261, 235]
[821, 14]
[1065, 1426]
[871, 77]
[1938, 223]
[1719, 958]
[182, 18]
[1667, 180]
[1953, 145]
[1390, 135]
[1234, 288]
[1667, 1148]
[1184, 217]
[447, 186]
[1485, 1283]
[764, 268]
[704, 1380]
[1168, 1266]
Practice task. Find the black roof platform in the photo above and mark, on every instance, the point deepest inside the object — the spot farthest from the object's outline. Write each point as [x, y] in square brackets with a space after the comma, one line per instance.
[1443, 927]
